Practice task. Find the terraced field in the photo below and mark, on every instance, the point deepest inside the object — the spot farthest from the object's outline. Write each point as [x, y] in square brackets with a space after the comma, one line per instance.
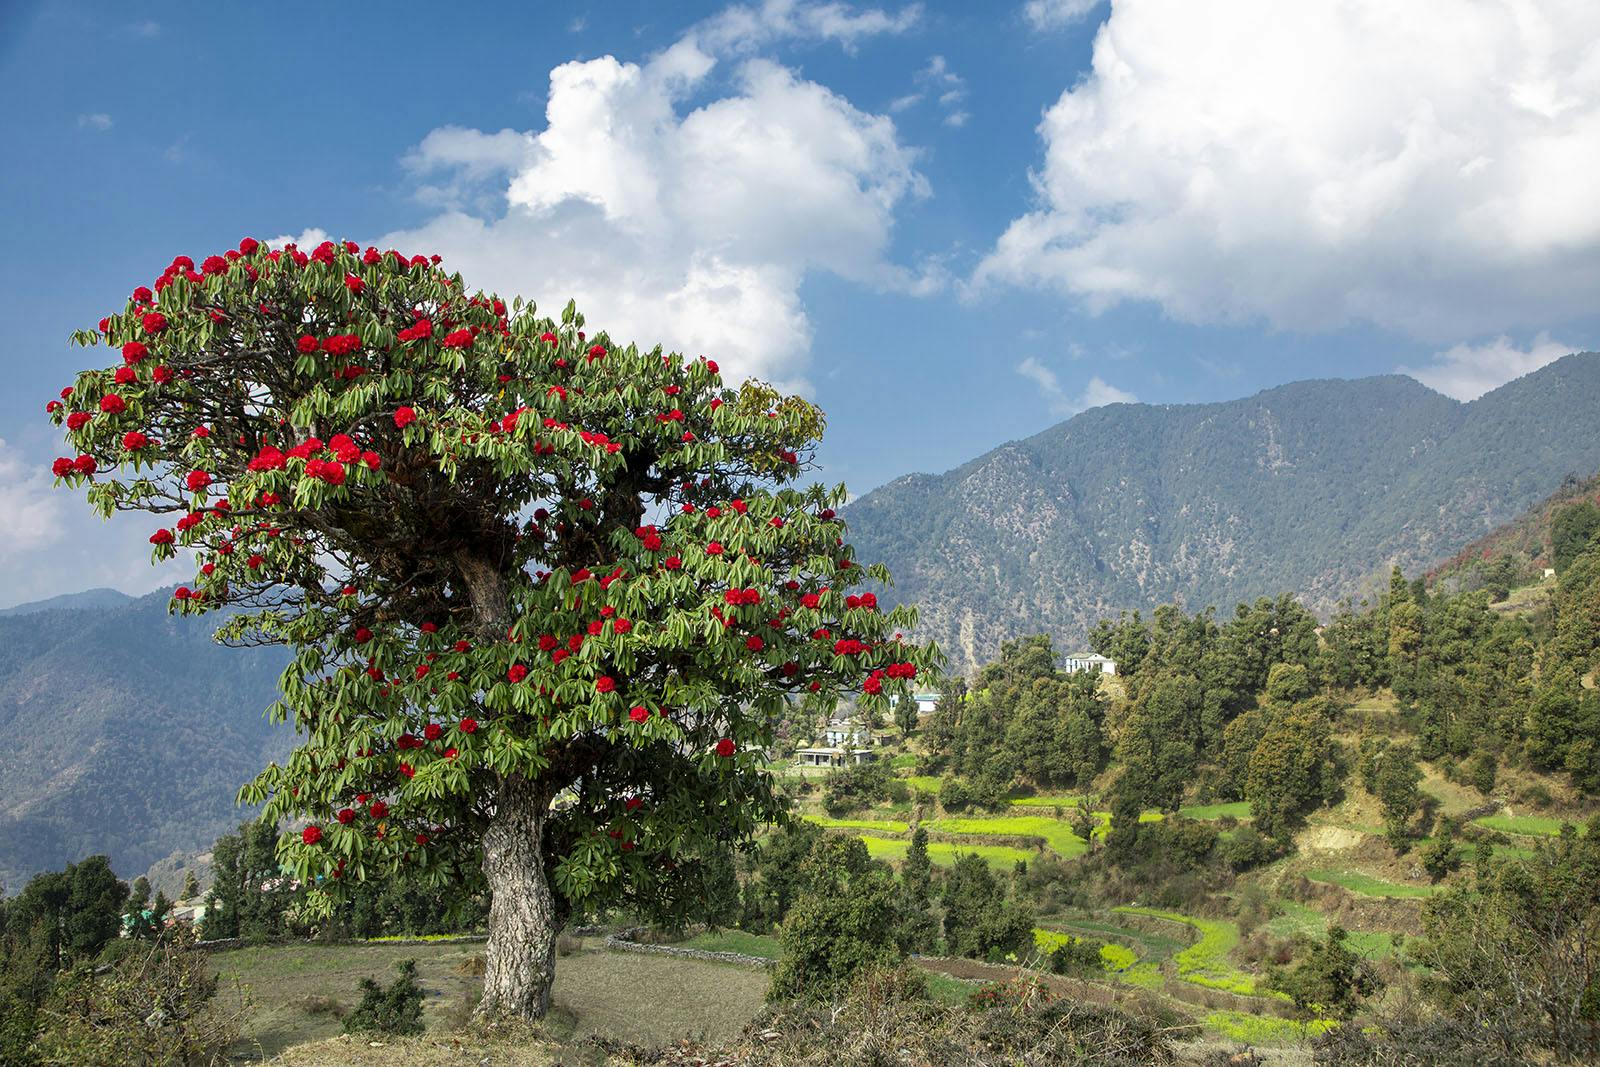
[1369, 885]
[893, 850]
[1056, 833]
[1205, 962]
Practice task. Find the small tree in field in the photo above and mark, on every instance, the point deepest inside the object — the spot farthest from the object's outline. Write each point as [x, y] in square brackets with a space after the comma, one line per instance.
[546, 593]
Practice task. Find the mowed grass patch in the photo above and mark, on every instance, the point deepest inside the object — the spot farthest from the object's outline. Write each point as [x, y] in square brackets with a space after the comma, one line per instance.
[1057, 834]
[1369, 885]
[943, 853]
[1298, 920]
[596, 990]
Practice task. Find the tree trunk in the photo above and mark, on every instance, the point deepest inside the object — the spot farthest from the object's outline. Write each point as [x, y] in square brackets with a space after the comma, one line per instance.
[520, 959]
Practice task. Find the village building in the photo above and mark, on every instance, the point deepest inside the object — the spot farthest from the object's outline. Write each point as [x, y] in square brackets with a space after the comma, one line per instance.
[844, 742]
[1088, 661]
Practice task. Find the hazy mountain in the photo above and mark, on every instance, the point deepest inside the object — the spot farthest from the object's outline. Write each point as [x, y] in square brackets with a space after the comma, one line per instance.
[128, 732]
[89, 598]
[1315, 487]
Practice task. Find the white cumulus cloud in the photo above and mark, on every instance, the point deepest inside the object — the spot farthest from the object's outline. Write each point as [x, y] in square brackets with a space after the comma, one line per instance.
[1466, 372]
[33, 512]
[689, 226]
[1425, 167]
[1097, 393]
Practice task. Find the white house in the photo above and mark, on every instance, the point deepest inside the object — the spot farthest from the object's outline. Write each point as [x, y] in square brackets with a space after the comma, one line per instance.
[925, 702]
[844, 741]
[1089, 661]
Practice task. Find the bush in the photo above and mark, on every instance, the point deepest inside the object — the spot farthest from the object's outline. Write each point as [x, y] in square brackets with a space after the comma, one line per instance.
[395, 1011]
[1247, 848]
[1077, 955]
[152, 1006]
[856, 787]
[954, 795]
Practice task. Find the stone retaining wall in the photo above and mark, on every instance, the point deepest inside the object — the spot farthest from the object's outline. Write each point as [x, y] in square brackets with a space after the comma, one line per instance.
[623, 941]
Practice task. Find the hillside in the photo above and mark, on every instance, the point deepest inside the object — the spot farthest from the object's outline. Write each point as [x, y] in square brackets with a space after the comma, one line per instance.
[1520, 547]
[129, 733]
[1316, 487]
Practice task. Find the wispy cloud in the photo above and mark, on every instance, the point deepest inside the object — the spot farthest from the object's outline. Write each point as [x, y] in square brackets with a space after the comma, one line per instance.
[1044, 15]
[98, 121]
[1096, 393]
[938, 82]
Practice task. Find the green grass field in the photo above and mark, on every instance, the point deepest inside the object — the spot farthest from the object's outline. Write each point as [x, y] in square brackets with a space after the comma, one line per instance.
[762, 945]
[1367, 885]
[923, 783]
[1238, 809]
[1297, 920]
[1526, 825]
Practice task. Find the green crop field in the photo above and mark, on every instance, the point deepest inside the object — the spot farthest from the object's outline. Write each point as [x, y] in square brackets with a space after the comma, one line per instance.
[1367, 885]
[1206, 962]
[1057, 834]
[1062, 801]
[886, 826]
[1264, 1029]
[922, 783]
[1000, 857]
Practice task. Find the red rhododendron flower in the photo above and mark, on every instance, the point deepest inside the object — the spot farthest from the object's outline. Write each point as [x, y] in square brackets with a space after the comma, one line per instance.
[112, 404]
[639, 713]
[85, 465]
[153, 322]
[133, 352]
[61, 467]
[378, 810]
[517, 673]
[307, 344]
[672, 563]
[162, 375]
[363, 635]
[433, 731]
[469, 726]
[197, 480]
[725, 748]
[404, 417]
[457, 339]
[754, 643]
[353, 283]
[78, 420]
[621, 626]
[162, 537]
[714, 548]
[214, 265]
[248, 245]
[311, 835]
[408, 770]
[344, 816]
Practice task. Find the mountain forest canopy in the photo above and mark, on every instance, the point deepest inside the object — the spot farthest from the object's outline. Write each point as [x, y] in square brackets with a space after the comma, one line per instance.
[1316, 487]
[545, 594]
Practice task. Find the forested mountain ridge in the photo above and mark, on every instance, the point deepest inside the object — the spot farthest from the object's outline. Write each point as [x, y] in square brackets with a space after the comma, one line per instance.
[1316, 487]
[129, 733]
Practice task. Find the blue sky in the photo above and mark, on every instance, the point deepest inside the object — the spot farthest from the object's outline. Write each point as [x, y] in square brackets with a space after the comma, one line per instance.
[950, 224]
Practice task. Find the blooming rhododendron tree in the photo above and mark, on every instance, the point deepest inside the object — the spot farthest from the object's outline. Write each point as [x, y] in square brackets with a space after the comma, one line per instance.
[546, 593]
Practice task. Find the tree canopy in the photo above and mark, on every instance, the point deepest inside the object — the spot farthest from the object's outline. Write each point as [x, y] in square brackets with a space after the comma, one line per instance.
[546, 592]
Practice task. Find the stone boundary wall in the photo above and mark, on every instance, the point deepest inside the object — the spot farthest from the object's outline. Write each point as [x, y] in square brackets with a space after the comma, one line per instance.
[623, 941]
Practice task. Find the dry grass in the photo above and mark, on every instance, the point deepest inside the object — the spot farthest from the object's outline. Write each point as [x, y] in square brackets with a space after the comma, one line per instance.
[298, 993]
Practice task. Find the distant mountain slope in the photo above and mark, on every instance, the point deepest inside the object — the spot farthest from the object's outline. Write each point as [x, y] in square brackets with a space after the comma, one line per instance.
[89, 598]
[128, 732]
[1315, 487]
[1524, 539]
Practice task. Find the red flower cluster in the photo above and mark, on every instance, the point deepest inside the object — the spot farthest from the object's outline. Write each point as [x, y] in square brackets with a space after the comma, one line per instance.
[517, 673]
[311, 834]
[649, 537]
[418, 331]
[404, 417]
[197, 480]
[133, 352]
[341, 344]
[726, 748]
[736, 597]
[112, 404]
[869, 601]
[639, 713]
[456, 339]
